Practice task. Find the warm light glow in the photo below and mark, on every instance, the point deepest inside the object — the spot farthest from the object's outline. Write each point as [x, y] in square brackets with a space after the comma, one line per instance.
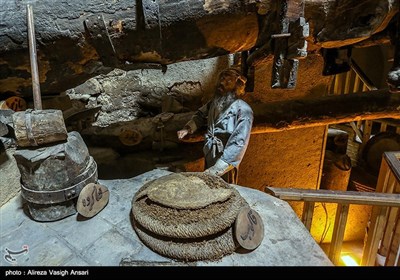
[348, 260]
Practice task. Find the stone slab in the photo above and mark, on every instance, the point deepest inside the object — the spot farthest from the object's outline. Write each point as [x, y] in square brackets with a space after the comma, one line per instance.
[108, 238]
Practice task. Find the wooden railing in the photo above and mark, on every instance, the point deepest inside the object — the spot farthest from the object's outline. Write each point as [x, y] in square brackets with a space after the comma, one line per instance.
[384, 231]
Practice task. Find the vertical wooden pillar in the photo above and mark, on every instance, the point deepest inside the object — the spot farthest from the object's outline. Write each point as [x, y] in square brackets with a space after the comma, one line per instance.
[307, 215]
[366, 135]
[339, 228]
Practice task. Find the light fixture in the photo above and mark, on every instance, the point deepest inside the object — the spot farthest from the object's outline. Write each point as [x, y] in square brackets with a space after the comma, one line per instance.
[348, 260]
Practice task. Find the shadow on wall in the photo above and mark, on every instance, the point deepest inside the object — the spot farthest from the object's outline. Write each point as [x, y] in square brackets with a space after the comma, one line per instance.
[114, 165]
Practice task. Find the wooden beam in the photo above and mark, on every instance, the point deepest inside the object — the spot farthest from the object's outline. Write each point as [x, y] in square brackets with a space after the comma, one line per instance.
[81, 39]
[281, 116]
[134, 33]
[328, 110]
[333, 109]
[342, 197]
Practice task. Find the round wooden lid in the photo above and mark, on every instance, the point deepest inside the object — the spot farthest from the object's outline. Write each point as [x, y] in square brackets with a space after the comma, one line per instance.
[130, 137]
[16, 103]
[249, 228]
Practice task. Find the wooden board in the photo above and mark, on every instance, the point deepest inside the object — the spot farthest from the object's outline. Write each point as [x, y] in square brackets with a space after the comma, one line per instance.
[92, 199]
[249, 229]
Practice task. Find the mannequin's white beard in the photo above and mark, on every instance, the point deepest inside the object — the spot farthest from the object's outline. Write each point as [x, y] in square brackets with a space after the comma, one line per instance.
[224, 100]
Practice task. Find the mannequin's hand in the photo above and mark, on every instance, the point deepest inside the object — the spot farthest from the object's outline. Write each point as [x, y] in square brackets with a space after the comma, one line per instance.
[213, 171]
[219, 168]
[182, 133]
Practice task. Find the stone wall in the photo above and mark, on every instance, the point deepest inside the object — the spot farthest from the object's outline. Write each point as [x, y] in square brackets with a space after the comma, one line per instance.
[9, 174]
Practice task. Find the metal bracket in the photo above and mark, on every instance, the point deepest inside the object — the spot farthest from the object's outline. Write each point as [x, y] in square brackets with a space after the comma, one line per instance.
[151, 13]
[101, 40]
[151, 19]
[289, 43]
[68, 193]
[284, 35]
[160, 121]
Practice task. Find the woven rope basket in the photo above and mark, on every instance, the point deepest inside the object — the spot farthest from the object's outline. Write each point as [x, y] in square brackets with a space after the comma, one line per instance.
[191, 234]
[212, 247]
[188, 223]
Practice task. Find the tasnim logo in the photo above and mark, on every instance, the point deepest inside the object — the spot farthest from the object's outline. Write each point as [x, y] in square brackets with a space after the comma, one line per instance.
[9, 256]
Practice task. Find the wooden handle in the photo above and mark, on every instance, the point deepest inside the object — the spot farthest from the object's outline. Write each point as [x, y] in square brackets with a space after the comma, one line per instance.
[37, 100]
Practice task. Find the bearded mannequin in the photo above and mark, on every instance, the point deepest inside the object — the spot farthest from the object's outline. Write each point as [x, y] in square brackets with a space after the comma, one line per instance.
[229, 120]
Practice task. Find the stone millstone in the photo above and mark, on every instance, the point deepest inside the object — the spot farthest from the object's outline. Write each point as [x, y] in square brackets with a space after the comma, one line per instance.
[187, 223]
[212, 247]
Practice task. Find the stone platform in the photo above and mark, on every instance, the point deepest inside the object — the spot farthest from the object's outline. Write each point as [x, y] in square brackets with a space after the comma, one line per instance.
[108, 239]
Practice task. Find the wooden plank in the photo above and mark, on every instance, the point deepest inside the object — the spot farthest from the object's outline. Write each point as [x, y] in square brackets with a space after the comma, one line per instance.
[356, 86]
[331, 109]
[367, 130]
[342, 197]
[307, 216]
[388, 231]
[383, 127]
[391, 122]
[359, 125]
[396, 188]
[375, 232]
[356, 130]
[367, 83]
[392, 182]
[392, 159]
[348, 82]
[393, 254]
[383, 177]
[338, 84]
[273, 116]
[339, 228]
[366, 135]
[322, 156]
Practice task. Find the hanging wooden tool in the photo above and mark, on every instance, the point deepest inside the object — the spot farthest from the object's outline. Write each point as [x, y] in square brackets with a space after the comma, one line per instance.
[37, 127]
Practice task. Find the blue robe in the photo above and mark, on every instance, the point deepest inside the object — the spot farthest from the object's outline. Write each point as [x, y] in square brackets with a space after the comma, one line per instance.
[228, 129]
